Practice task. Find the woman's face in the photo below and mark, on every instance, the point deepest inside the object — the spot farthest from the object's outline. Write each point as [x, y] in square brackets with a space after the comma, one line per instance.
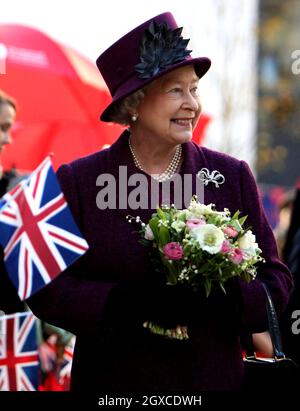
[7, 118]
[171, 106]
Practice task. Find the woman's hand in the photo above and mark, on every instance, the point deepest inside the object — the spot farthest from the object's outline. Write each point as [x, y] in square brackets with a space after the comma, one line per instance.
[171, 306]
[167, 305]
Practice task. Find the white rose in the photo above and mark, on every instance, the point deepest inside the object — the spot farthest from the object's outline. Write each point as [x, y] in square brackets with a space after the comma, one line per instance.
[248, 244]
[149, 233]
[209, 237]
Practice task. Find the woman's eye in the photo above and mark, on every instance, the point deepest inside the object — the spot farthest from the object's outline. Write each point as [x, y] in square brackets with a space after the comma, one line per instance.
[176, 90]
[194, 90]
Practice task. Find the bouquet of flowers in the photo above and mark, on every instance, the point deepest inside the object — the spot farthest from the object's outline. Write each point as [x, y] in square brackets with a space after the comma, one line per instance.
[200, 246]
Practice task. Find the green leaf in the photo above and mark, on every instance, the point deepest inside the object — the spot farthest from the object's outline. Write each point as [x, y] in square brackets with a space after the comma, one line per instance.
[207, 286]
[182, 217]
[164, 236]
[161, 214]
[236, 215]
[153, 223]
[236, 224]
[222, 288]
[243, 219]
[172, 275]
[204, 267]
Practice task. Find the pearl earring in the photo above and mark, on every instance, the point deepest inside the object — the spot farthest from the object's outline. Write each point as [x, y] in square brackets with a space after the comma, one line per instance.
[134, 117]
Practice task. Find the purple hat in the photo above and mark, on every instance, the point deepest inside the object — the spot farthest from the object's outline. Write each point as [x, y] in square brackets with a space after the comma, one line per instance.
[147, 52]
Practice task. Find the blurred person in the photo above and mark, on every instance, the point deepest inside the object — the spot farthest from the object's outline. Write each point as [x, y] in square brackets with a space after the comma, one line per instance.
[290, 324]
[8, 112]
[262, 341]
[9, 300]
[53, 342]
[263, 344]
[109, 293]
[284, 220]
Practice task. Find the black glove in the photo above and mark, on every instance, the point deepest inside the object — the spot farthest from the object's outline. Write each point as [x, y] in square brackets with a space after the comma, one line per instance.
[223, 309]
[133, 303]
[136, 302]
[171, 305]
[128, 303]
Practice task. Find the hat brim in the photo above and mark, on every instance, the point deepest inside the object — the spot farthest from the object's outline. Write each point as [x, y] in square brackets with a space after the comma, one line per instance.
[133, 84]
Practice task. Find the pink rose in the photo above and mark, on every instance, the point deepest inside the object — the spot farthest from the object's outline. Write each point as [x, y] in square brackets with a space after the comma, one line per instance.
[225, 247]
[194, 223]
[230, 231]
[173, 251]
[236, 255]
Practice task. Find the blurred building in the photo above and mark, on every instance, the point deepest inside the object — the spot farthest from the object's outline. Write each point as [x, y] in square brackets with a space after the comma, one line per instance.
[278, 142]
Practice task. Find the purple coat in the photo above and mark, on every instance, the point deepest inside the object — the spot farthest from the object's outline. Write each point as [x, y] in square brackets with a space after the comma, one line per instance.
[113, 359]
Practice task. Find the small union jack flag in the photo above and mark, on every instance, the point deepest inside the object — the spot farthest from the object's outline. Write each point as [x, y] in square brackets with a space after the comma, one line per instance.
[66, 366]
[18, 353]
[37, 231]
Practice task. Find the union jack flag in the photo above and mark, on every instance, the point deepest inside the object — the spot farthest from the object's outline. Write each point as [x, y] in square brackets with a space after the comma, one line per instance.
[18, 353]
[37, 231]
[66, 366]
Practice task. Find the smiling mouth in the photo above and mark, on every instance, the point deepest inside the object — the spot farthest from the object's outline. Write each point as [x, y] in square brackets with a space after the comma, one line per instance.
[185, 122]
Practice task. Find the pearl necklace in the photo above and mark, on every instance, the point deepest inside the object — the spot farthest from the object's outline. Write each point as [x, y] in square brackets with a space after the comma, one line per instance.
[169, 171]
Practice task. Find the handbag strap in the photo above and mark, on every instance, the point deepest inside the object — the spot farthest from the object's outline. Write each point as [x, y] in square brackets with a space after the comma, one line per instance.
[274, 330]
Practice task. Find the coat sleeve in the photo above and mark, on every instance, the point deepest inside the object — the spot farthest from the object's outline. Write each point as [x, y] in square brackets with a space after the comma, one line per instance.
[273, 272]
[72, 301]
[9, 299]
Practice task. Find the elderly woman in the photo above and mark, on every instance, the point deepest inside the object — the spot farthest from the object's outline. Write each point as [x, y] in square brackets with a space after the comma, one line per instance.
[108, 294]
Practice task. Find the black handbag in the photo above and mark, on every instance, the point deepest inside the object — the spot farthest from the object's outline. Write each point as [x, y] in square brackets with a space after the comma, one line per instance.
[269, 374]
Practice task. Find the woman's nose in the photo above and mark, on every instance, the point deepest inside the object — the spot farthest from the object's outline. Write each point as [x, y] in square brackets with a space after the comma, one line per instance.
[191, 102]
